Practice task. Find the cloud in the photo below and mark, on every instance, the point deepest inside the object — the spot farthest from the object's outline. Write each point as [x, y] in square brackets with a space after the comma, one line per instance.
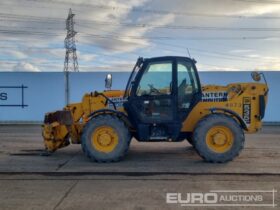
[238, 51]
[25, 66]
[86, 57]
[253, 56]
[15, 53]
[206, 67]
[269, 67]
[259, 9]
[57, 52]
[129, 37]
[121, 38]
[35, 31]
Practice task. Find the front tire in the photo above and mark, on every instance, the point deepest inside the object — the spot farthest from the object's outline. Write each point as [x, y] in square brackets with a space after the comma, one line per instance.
[105, 138]
[218, 138]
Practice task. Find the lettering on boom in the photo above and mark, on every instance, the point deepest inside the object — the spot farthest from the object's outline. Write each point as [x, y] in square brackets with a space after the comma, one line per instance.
[214, 96]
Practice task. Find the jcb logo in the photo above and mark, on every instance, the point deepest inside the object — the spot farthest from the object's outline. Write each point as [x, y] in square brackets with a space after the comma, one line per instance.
[247, 109]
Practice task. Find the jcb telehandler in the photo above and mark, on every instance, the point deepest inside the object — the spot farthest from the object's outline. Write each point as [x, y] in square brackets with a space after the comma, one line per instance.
[163, 101]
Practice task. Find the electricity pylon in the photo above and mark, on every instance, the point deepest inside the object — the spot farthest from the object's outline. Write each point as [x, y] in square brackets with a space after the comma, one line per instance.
[71, 60]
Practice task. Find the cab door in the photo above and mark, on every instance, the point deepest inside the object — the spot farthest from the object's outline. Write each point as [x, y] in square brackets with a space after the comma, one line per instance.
[188, 87]
[152, 105]
[153, 98]
[161, 96]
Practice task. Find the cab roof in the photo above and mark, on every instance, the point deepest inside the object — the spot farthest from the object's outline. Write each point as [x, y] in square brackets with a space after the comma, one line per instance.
[162, 58]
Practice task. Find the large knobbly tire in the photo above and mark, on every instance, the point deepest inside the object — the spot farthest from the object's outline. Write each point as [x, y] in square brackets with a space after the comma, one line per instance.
[224, 129]
[116, 129]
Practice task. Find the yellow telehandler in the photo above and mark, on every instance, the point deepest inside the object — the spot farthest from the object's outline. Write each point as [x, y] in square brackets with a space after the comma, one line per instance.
[163, 101]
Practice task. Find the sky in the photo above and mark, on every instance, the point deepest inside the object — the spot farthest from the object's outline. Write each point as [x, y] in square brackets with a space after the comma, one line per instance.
[221, 35]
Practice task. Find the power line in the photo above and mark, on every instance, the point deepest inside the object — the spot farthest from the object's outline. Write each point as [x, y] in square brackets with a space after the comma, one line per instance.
[30, 17]
[219, 55]
[207, 54]
[28, 32]
[148, 25]
[212, 53]
[82, 50]
[124, 37]
[201, 51]
[163, 12]
[170, 38]
[208, 28]
[259, 2]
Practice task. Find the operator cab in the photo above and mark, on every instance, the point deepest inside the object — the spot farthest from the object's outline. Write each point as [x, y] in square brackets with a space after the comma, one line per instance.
[160, 93]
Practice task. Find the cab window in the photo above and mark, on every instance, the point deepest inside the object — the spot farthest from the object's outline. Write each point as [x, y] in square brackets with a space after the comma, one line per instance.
[187, 84]
[156, 80]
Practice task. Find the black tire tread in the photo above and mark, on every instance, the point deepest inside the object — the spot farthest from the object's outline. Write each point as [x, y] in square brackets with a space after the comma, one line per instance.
[103, 119]
[199, 131]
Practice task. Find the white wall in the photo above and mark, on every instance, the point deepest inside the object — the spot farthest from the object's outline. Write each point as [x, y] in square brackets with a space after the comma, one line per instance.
[45, 91]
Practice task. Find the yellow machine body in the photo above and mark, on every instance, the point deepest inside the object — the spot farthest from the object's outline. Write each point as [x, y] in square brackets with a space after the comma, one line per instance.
[246, 100]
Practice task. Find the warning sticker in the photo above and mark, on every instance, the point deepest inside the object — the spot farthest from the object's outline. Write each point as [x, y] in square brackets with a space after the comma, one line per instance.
[247, 109]
[118, 102]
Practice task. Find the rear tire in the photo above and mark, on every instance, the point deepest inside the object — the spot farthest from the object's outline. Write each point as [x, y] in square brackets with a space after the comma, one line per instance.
[105, 138]
[218, 138]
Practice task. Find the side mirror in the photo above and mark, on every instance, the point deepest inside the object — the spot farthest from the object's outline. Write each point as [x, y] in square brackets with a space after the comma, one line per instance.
[108, 81]
[256, 76]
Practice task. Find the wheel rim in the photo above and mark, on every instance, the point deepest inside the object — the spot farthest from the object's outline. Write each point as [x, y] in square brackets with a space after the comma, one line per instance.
[105, 139]
[219, 139]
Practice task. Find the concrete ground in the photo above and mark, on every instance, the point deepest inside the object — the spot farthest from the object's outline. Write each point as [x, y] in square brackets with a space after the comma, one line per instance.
[68, 180]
